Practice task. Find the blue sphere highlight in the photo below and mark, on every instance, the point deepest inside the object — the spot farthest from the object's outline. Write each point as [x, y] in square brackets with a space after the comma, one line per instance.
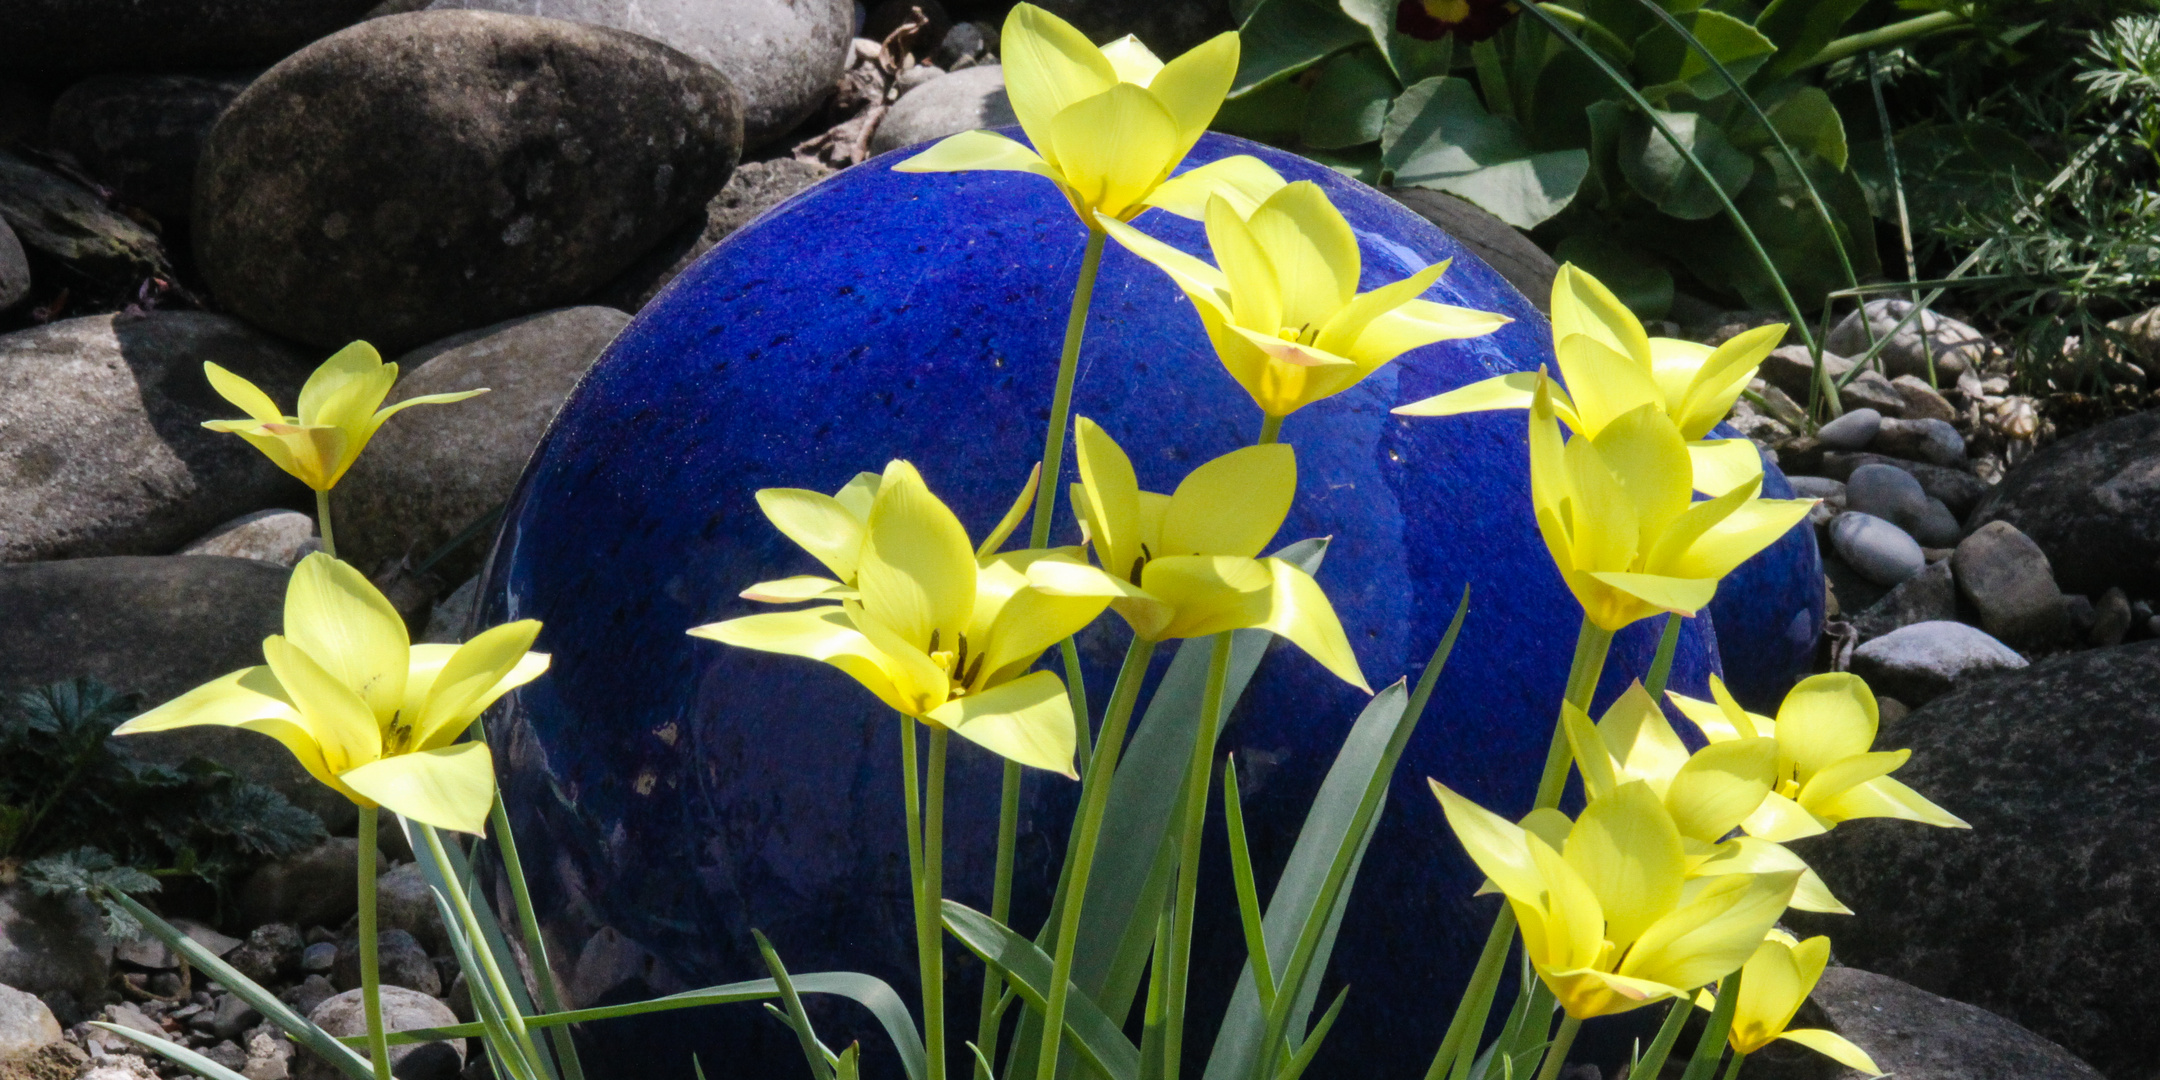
[672, 794]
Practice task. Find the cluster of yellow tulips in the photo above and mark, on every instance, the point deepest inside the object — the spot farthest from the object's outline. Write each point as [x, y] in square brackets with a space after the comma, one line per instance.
[1667, 883]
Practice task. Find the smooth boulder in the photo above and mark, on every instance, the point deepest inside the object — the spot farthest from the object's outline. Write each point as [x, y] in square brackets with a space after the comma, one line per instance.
[2043, 911]
[1913, 1035]
[51, 944]
[433, 473]
[142, 135]
[782, 56]
[1878, 549]
[1928, 596]
[2008, 580]
[2092, 502]
[947, 105]
[280, 537]
[1959, 490]
[1955, 347]
[105, 451]
[402, 1010]
[427, 173]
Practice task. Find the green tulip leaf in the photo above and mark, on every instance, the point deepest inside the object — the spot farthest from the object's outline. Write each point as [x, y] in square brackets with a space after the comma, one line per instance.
[1028, 971]
[1283, 37]
[1348, 103]
[1438, 135]
[1660, 174]
[1667, 64]
[171, 1051]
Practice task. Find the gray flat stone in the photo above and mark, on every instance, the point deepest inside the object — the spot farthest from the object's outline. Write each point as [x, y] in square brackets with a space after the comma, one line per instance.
[1959, 490]
[1879, 550]
[1931, 441]
[1913, 1035]
[1957, 348]
[1928, 596]
[278, 537]
[1918, 663]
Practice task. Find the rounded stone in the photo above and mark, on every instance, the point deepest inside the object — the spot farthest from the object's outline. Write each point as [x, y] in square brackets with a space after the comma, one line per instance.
[2041, 912]
[1932, 441]
[1886, 492]
[280, 537]
[142, 135]
[1879, 550]
[428, 173]
[782, 56]
[1852, 431]
[402, 1010]
[14, 268]
[2092, 502]
[1921, 662]
[26, 1024]
[947, 105]
[685, 793]
[52, 37]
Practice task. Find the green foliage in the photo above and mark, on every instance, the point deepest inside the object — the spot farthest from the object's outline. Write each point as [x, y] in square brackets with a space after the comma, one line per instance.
[86, 871]
[69, 790]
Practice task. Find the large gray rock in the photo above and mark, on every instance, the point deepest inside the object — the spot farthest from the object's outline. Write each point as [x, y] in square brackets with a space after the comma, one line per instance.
[14, 267]
[1169, 27]
[757, 186]
[1959, 490]
[105, 452]
[80, 36]
[63, 219]
[401, 960]
[1869, 390]
[1790, 368]
[2092, 502]
[423, 174]
[1922, 661]
[26, 1025]
[142, 135]
[317, 887]
[402, 1010]
[435, 472]
[157, 627]
[947, 105]
[281, 537]
[1912, 1035]
[1879, 550]
[783, 56]
[1504, 248]
[52, 944]
[2042, 912]
[2007, 578]
[405, 902]
[1957, 348]
[1922, 402]
[1928, 596]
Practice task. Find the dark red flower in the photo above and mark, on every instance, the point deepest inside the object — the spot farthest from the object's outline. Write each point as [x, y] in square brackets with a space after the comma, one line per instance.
[1470, 21]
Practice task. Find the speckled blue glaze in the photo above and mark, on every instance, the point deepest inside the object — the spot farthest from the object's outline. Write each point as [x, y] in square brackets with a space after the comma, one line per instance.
[679, 794]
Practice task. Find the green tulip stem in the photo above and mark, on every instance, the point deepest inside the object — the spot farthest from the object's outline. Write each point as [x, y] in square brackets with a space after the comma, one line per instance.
[1712, 1046]
[498, 984]
[1094, 798]
[370, 966]
[535, 946]
[1556, 1055]
[1476, 1002]
[934, 894]
[1053, 459]
[322, 523]
[1661, 664]
[1188, 872]
[1732, 1071]
[1653, 1062]
[986, 1027]
[1592, 644]
[1270, 428]
[929, 939]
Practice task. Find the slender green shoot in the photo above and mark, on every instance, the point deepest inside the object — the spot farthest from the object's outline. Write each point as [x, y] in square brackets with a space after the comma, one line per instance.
[370, 958]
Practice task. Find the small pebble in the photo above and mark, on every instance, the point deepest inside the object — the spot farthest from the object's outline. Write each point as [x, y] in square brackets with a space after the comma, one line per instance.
[318, 957]
[1817, 487]
[1936, 526]
[1879, 551]
[1932, 441]
[1852, 431]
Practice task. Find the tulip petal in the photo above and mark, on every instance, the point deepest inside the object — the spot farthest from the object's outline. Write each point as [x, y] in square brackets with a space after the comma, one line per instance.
[315, 455]
[1834, 1046]
[1210, 593]
[1887, 797]
[1241, 180]
[1340, 335]
[1313, 252]
[374, 423]
[1510, 391]
[1202, 284]
[1780, 819]
[917, 570]
[1721, 465]
[824, 634]
[1107, 499]
[1715, 725]
[1014, 514]
[1751, 855]
[333, 713]
[1625, 847]
[338, 617]
[1299, 610]
[795, 590]
[1191, 87]
[451, 787]
[353, 370]
[1232, 505]
[250, 699]
[1720, 786]
[1845, 774]
[1049, 66]
[495, 662]
[1646, 454]
[1683, 595]
[980, 151]
[1711, 937]
[1770, 992]
[1644, 745]
[1603, 382]
[1587, 992]
[1494, 843]
[1112, 148]
[1718, 379]
[1028, 720]
[1134, 62]
[1032, 620]
[1415, 324]
[242, 393]
[1256, 291]
[1581, 304]
[1825, 719]
[1592, 758]
[818, 524]
[1740, 536]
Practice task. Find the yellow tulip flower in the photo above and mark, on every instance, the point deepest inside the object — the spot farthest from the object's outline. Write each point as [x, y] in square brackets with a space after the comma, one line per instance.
[1608, 918]
[1773, 984]
[1186, 564]
[1826, 772]
[1708, 793]
[1611, 366]
[1108, 125]
[939, 634]
[366, 712]
[1284, 313]
[1614, 511]
[339, 413]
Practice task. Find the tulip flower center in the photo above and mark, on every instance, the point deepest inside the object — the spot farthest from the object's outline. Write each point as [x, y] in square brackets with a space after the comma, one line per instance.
[1303, 335]
[1139, 563]
[956, 663]
[398, 738]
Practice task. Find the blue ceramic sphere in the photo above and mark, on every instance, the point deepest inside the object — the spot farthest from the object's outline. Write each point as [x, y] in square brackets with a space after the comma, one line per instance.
[672, 794]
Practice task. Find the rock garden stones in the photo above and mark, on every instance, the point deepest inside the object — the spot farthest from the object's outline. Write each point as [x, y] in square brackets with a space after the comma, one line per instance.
[1852, 431]
[1791, 369]
[402, 1010]
[1921, 400]
[142, 134]
[1869, 390]
[947, 105]
[65, 36]
[1931, 441]
[1956, 347]
[279, 537]
[153, 626]
[2092, 502]
[1922, 661]
[52, 944]
[318, 887]
[428, 477]
[62, 219]
[2043, 912]
[403, 963]
[105, 451]
[2007, 578]
[14, 267]
[1879, 550]
[26, 1025]
[1927, 596]
[782, 56]
[1959, 490]
[423, 174]
[1913, 1035]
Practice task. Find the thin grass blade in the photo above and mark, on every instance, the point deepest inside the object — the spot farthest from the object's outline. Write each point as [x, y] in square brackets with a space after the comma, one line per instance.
[1094, 1036]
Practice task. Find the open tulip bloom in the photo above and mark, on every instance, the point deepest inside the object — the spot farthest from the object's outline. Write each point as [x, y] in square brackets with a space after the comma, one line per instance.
[339, 411]
[1707, 793]
[1615, 512]
[932, 630]
[1611, 367]
[1186, 564]
[1826, 771]
[366, 712]
[1108, 125]
[1608, 916]
[1283, 311]
[1773, 985]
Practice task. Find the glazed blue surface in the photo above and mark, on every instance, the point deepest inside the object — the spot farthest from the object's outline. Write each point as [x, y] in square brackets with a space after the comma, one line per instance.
[679, 793]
